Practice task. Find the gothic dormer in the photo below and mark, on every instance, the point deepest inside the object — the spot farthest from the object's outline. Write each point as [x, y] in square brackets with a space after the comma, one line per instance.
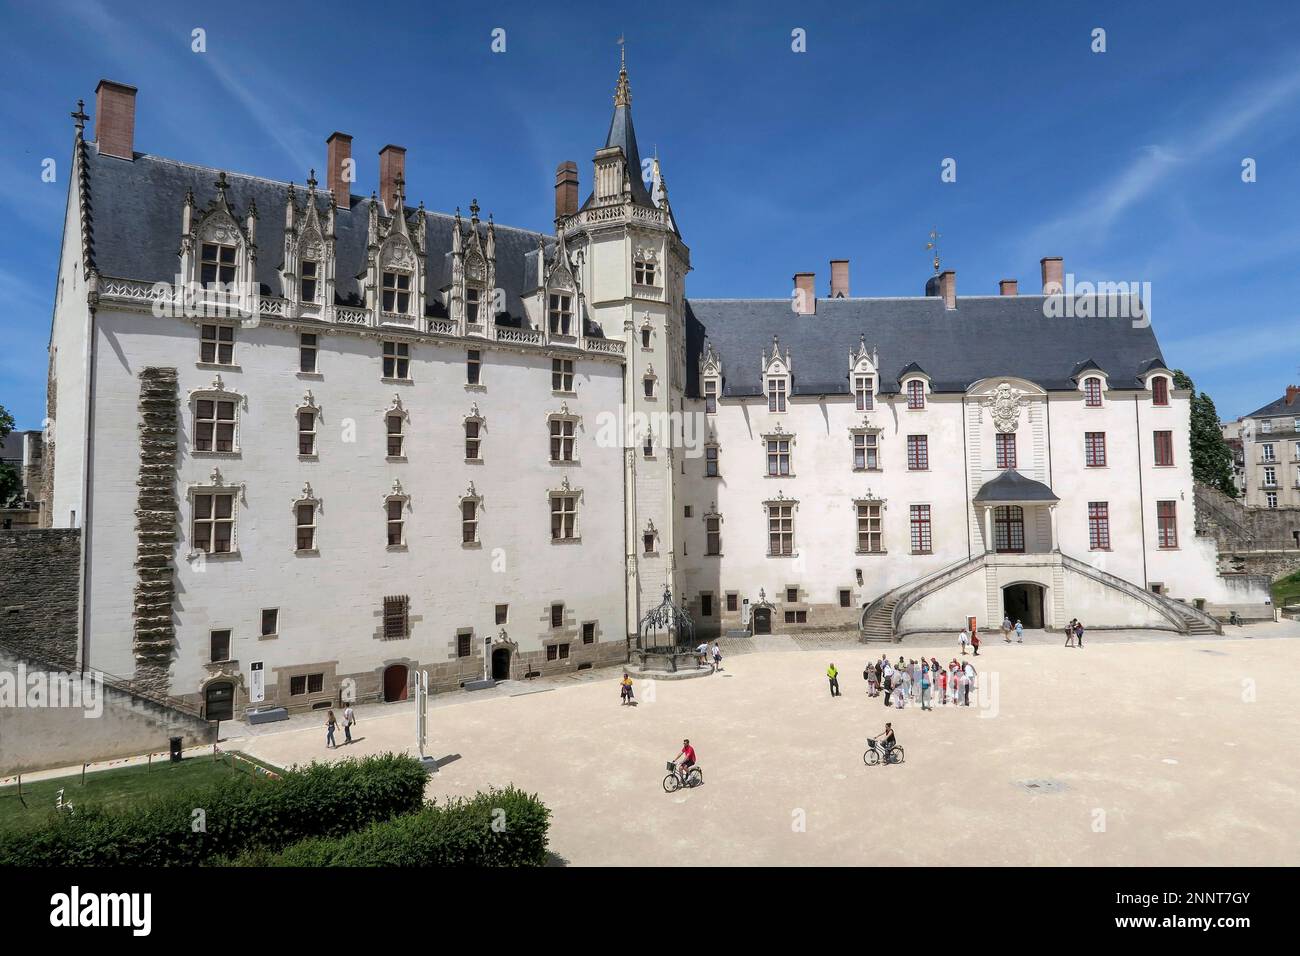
[777, 376]
[307, 275]
[219, 251]
[473, 274]
[560, 296]
[710, 378]
[863, 378]
[395, 274]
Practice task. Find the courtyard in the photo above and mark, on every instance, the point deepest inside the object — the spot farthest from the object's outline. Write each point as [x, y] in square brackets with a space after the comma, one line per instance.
[1135, 750]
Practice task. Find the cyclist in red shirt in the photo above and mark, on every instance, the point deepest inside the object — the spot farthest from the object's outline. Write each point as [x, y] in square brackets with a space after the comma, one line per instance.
[687, 758]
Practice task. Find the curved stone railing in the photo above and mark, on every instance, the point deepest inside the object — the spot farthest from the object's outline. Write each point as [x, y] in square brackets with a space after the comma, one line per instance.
[897, 592]
[929, 585]
[1176, 612]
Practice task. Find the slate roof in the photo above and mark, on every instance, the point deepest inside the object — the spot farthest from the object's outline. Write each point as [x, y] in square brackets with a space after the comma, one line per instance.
[983, 336]
[1012, 486]
[1277, 409]
[136, 219]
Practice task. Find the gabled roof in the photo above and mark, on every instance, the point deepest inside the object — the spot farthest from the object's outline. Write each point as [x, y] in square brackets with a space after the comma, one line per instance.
[912, 369]
[1088, 365]
[1277, 409]
[1012, 487]
[983, 337]
[137, 208]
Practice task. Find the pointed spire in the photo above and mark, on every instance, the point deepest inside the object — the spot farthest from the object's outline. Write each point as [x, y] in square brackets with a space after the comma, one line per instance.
[473, 211]
[311, 180]
[622, 91]
[80, 117]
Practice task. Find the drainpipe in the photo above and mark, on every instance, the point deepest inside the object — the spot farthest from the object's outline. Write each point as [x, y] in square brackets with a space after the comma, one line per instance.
[1142, 507]
[87, 468]
[965, 470]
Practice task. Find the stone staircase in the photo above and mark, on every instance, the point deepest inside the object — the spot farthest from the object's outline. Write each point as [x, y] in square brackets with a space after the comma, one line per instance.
[1196, 625]
[878, 625]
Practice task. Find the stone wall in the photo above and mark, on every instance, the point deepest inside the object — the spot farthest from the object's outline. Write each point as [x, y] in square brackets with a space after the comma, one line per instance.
[40, 571]
[155, 588]
[1251, 541]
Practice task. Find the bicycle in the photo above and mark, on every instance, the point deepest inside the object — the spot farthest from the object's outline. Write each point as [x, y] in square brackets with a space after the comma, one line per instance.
[871, 756]
[676, 779]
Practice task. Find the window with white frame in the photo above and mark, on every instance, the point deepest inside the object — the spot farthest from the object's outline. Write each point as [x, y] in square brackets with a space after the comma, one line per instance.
[778, 457]
[214, 523]
[217, 344]
[1270, 499]
[863, 393]
[306, 432]
[395, 425]
[563, 432]
[916, 393]
[1268, 452]
[396, 296]
[307, 353]
[472, 440]
[562, 375]
[564, 517]
[1270, 476]
[1266, 425]
[397, 360]
[776, 394]
[214, 425]
[305, 513]
[469, 521]
[560, 313]
[866, 451]
[871, 536]
[780, 529]
[473, 299]
[307, 281]
[710, 396]
[644, 272]
[216, 264]
[394, 511]
[711, 462]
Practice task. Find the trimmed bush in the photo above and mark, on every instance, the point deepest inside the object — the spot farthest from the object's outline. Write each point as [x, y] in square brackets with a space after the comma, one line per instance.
[322, 800]
[493, 829]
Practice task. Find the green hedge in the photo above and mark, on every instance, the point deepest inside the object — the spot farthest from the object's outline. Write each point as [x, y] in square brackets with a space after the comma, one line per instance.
[322, 800]
[497, 828]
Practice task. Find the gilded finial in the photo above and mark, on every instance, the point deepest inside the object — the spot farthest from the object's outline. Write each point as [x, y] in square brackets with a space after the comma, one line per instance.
[934, 244]
[622, 92]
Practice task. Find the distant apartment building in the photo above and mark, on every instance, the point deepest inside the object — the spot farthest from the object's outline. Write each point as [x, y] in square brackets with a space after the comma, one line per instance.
[1270, 443]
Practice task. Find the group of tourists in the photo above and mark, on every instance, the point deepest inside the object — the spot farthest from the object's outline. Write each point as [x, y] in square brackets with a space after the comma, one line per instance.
[1074, 632]
[331, 724]
[913, 682]
[1008, 627]
[703, 653]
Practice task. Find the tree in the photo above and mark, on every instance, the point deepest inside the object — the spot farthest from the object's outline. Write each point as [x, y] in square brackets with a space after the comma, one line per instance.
[1211, 456]
[11, 483]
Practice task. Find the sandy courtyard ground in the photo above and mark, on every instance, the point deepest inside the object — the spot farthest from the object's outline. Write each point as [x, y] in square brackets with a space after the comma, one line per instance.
[1147, 752]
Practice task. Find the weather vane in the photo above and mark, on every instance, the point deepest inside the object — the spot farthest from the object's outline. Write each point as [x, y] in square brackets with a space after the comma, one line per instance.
[934, 244]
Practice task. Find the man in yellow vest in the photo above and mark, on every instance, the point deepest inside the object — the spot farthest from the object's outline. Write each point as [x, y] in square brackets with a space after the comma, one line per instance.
[834, 677]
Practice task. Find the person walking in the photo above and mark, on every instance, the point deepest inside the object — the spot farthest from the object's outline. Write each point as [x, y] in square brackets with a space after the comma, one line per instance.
[702, 652]
[833, 676]
[943, 686]
[330, 724]
[925, 687]
[1078, 632]
[1069, 633]
[968, 681]
[887, 680]
[717, 657]
[1020, 632]
[349, 718]
[1006, 629]
[975, 642]
[964, 639]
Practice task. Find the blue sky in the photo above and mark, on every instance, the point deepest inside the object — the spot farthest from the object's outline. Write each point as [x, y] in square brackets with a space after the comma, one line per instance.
[1126, 163]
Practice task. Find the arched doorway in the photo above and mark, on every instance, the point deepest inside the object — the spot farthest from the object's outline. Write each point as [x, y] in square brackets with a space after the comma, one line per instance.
[762, 620]
[395, 682]
[219, 700]
[501, 663]
[1023, 602]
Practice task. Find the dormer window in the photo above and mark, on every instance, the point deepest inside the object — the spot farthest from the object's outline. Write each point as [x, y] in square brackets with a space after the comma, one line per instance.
[645, 272]
[307, 283]
[1160, 390]
[776, 394]
[1092, 392]
[217, 264]
[561, 313]
[710, 397]
[916, 393]
[473, 297]
[863, 392]
[397, 292]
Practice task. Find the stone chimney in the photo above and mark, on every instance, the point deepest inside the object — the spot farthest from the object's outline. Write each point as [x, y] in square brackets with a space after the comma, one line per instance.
[1053, 275]
[340, 171]
[805, 299]
[1292, 394]
[1008, 287]
[839, 278]
[566, 189]
[392, 167]
[944, 284]
[115, 119]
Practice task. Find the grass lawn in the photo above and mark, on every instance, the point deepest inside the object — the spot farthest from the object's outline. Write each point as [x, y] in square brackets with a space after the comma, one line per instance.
[1287, 590]
[115, 788]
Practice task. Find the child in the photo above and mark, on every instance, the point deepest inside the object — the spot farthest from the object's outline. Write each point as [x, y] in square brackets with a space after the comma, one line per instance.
[625, 688]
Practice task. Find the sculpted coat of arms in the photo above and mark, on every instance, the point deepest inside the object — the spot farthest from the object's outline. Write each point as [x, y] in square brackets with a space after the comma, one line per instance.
[1004, 405]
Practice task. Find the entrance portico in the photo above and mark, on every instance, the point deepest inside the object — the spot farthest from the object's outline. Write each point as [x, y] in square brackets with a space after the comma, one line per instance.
[1018, 515]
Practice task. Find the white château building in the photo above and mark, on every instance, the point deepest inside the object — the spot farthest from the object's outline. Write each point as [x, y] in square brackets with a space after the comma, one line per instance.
[319, 440]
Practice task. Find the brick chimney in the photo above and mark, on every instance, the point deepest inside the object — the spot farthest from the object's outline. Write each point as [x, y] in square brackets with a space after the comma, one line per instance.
[944, 284]
[566, 189]
[805, 284]
[392, 167]
[338, 155]
[1008, 287]
[115, 119]
[1053, 275]
[1292, 393]
[839, 278]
